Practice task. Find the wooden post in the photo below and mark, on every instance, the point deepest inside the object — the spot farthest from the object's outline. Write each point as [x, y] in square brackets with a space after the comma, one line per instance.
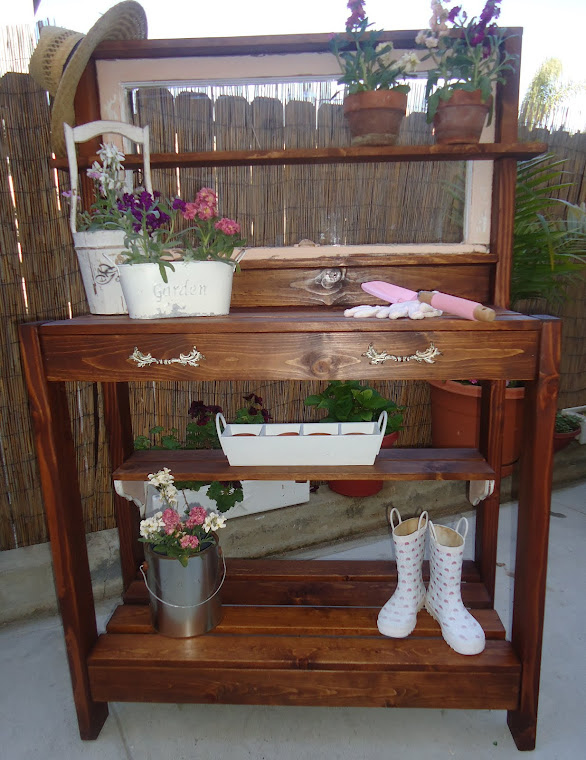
[120, 443]
[492, 416]
[505, 177]
[59, 481]
[533, 530]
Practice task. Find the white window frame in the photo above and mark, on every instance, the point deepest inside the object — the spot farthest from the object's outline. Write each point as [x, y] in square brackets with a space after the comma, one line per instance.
[117, 77]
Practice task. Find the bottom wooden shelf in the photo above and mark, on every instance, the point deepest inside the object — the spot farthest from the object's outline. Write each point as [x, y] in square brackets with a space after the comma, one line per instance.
[301, 650]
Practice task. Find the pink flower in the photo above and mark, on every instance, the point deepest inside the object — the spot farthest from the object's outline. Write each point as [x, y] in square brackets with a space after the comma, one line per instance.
[171, 520]
[190, 211]
[205, 212]
[189, 542]
[207, 197]
[227, 226]
[197, 516]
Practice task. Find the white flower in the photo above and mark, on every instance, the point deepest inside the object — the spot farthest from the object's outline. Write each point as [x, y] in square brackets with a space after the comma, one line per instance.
[162, 478]
[408, 62]
[151, 527]
[214, 522]
[110, 154]
[421, 37]
[431, 42]
[169, 493]
[387, 59]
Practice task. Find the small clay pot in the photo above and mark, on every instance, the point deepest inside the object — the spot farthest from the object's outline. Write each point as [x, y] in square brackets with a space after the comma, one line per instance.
[374, 117]
[460, 120]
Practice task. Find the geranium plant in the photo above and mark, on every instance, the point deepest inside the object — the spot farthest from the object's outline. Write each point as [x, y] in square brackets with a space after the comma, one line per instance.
[366, 63]
[467, 52]
[168, 533]
[350, 401]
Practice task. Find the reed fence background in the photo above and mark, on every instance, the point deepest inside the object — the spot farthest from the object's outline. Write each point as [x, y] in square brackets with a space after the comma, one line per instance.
[39, 278]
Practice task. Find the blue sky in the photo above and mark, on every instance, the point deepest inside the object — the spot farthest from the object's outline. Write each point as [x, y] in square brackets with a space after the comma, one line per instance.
[548, 25]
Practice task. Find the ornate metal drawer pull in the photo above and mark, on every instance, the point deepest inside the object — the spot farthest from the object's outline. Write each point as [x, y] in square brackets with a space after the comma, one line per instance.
[379, 357]
[192, 359]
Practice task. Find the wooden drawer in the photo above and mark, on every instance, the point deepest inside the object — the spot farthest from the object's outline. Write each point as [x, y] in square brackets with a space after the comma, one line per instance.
[414, 354]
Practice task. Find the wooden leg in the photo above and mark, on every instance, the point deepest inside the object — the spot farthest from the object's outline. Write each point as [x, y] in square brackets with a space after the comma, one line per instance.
[59, 481]
[487, 513]
[120, 441]
[533, 531]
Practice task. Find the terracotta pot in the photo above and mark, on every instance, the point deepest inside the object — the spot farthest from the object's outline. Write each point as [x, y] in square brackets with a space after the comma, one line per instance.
[363, 487]
[461, 118]
[561, 440]
[375, 116]
[455, 418]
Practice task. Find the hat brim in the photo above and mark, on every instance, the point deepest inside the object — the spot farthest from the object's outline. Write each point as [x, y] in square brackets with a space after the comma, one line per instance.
[125, 21]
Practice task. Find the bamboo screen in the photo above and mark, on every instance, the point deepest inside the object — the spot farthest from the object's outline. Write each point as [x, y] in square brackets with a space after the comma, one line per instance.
[39, 278]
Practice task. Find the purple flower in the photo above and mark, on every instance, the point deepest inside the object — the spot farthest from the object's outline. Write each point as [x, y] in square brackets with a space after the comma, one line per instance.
[489, 12]
[357, 14]
[178, 205]
[453, 14]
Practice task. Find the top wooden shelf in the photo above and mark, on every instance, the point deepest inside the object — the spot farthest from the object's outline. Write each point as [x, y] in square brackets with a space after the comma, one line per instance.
[338, 155]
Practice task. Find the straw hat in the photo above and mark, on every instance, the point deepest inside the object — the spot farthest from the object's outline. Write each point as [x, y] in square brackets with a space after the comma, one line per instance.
[61, 56]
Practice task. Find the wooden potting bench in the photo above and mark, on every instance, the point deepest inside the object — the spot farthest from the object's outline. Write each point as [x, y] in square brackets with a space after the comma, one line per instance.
[304, 632]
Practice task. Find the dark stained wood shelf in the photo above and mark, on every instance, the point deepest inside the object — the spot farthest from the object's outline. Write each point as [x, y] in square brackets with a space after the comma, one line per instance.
[390, 464]
[266, 649]
[310, 582]
[338, 155]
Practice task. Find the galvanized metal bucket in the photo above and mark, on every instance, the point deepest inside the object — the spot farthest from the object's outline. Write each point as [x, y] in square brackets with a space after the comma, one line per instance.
[185, 601]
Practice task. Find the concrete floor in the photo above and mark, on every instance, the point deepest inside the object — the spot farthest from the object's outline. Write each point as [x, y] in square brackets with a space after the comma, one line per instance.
[37, 717]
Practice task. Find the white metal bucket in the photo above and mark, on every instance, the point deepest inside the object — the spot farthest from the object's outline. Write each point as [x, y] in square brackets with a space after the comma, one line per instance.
[185, 601]
[194, 289]
[98, 252]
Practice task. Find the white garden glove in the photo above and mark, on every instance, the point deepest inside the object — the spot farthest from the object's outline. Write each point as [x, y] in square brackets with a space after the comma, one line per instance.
[411, 309]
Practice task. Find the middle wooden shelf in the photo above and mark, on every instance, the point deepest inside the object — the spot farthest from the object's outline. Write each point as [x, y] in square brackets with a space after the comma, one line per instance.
[390, 464]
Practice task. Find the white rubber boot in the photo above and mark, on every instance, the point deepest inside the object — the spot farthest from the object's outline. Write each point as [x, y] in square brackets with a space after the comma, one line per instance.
[399, 615]
[444, 599]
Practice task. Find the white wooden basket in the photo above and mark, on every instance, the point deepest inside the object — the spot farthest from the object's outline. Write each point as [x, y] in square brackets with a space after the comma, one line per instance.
[301, 443]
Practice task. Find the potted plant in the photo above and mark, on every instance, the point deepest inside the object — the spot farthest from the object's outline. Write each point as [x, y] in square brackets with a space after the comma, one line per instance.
[169, 272]
[238, 497]
[567, 427]
[376, 93]
[183, 568]
[455, 417]
[548, 256]
[351, 401]
[468, 59]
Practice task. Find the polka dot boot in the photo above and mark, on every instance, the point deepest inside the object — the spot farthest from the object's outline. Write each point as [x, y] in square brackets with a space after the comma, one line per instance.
[444, 600]
[399, 615]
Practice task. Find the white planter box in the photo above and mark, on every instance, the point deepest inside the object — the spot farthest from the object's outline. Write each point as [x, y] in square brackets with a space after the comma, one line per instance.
[194, 289]
[301, 444]
[580, 412]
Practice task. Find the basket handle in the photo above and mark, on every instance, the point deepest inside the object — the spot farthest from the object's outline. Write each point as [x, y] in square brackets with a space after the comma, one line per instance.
[186, 606]
[85, 132]
[220, 419]
[382, 422]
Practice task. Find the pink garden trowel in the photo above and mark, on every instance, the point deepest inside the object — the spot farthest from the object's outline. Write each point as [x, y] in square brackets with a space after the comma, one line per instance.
[461, 307]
